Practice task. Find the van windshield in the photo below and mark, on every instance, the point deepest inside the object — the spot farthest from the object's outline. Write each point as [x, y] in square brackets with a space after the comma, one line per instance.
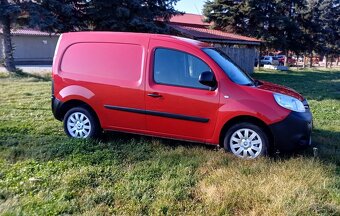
[236, 74]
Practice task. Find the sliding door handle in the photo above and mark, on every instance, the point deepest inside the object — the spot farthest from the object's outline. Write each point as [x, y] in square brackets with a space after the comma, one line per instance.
[155, 95]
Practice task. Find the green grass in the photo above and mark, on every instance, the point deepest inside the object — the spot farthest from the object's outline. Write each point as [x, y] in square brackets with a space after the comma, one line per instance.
[42, 172]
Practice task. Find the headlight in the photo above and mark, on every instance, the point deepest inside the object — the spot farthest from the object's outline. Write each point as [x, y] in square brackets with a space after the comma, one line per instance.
[290, 103]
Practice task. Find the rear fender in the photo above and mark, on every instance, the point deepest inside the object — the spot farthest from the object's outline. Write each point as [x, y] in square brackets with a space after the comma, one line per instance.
[75, 91]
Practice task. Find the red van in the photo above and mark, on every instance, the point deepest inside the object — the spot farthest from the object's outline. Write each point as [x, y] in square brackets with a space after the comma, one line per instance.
[172, 87]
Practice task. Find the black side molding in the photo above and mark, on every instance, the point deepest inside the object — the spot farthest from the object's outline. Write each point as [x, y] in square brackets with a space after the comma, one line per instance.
[161, 114]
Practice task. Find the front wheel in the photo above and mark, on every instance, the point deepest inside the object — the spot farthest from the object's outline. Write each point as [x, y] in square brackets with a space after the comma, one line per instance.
[246, 140]
[80, 123]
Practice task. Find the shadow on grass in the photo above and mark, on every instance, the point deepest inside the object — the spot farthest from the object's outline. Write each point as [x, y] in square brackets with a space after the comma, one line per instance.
[112, 147]
[42, 77]
[110, 136]
[122, 147]
[317, 85]
[20, 74]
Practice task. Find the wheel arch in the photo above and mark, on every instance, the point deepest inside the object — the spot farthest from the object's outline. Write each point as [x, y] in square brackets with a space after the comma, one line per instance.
[248, 119]
[66, 106]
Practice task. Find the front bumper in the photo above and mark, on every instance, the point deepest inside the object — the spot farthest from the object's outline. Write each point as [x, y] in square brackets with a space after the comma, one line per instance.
[294, 132]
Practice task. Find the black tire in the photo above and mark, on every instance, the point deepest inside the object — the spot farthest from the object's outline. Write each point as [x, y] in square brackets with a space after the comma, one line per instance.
[92, 122]
[246, 144]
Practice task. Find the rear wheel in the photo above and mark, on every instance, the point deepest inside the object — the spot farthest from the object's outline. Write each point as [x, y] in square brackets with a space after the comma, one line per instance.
[80, 123]
[246, 140]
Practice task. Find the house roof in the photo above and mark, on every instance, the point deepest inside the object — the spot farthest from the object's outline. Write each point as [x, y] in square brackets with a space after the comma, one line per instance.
[192, 25]
[189, 19]
[211, 35]
[30, 32]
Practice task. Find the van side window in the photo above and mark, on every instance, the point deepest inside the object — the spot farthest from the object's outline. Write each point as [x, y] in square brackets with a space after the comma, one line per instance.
[172, 67]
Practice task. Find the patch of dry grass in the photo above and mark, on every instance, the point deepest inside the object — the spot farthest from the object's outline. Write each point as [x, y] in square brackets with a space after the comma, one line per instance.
[298, 186]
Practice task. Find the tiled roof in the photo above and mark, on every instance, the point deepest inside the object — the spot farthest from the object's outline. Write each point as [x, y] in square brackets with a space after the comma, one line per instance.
[30, 32]
[204, 33]
[192, 19]
[192, 25]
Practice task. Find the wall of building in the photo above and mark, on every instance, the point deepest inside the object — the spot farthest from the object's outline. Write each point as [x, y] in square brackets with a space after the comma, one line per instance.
[243, 57]
[33, 49]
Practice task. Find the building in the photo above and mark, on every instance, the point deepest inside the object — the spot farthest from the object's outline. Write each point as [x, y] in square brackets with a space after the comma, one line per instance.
[31, 47]
[239, 48]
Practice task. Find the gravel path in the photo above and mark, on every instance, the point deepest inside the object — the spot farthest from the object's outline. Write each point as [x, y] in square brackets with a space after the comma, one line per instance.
[34, 69]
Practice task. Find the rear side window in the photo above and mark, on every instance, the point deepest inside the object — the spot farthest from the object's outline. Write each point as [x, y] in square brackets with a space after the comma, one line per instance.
[172, 67]
[107, 60]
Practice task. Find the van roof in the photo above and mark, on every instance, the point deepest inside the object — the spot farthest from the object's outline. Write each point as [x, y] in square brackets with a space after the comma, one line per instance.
[116, 35]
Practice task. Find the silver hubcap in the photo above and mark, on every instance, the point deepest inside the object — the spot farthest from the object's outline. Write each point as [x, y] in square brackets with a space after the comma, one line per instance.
[246, 143]
[78, 125]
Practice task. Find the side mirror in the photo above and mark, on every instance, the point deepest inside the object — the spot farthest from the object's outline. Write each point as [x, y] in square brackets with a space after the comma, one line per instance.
[208, 79]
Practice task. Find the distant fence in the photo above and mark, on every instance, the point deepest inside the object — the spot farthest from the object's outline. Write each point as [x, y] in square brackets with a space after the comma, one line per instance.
[243, 57]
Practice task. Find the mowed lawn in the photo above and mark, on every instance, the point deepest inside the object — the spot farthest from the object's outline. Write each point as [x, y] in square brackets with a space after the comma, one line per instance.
[42, 172]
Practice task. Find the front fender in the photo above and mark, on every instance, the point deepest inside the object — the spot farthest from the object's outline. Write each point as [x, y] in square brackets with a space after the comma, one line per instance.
[264, 110]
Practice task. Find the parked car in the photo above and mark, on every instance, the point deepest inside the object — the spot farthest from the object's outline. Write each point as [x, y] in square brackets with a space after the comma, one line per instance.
[172, 87]
[282, 58]
[269, 60]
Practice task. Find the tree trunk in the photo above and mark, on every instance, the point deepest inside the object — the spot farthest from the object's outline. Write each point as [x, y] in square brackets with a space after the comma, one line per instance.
[286, 59]
[311, 60]
[326, 61]
[259, 58]
[304, 60]
[9, 60]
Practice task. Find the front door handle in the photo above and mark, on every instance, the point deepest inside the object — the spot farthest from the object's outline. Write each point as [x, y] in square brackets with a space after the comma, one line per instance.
[155, 95]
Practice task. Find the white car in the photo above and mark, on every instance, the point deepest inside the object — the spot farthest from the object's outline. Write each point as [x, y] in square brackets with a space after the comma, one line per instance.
[269, 60]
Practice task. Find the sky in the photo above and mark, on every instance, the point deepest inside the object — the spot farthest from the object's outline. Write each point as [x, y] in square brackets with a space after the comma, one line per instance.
[190, 6]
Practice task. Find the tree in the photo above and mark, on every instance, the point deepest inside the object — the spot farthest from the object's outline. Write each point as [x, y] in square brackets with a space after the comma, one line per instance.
[252, 18]
[329, 39]
[58, 16]
[272, 21]
[8, 13]
[130, 15]
[20, 13]
[287, 25]
[310, 25]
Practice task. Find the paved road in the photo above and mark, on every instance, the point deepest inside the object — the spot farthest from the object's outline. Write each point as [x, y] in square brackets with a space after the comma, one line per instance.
[34, 69]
